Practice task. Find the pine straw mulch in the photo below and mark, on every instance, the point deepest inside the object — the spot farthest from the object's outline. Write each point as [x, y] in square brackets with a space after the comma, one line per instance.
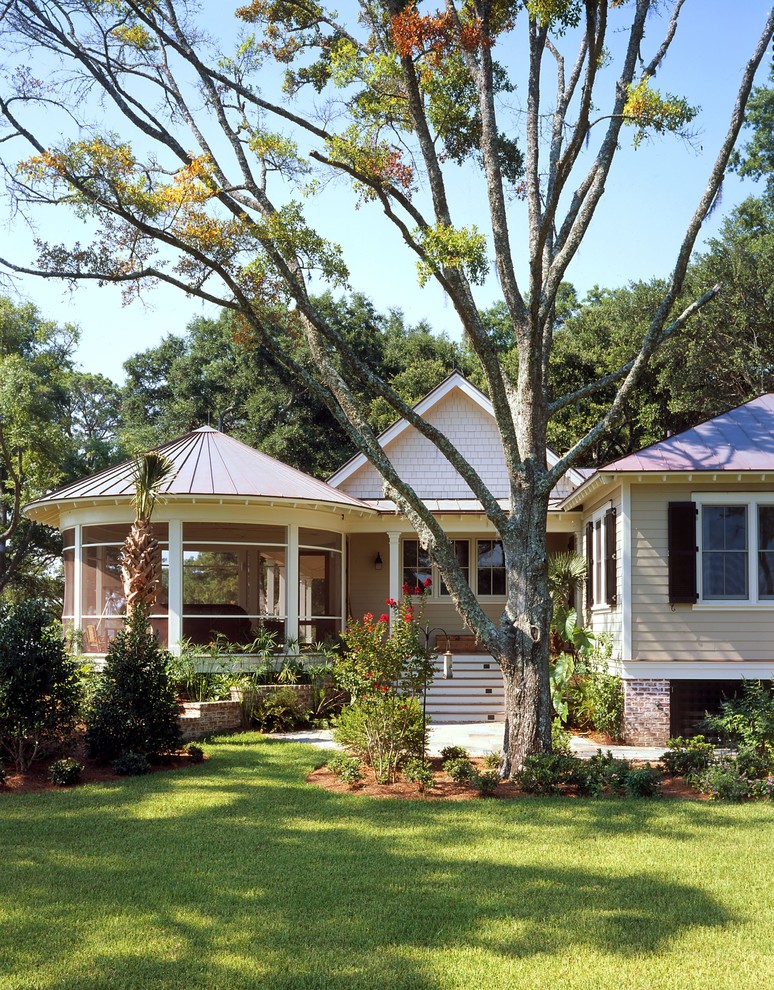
[445, 788]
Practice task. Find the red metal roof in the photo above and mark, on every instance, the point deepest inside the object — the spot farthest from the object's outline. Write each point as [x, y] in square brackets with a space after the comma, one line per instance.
[211, 463]
[739, 440]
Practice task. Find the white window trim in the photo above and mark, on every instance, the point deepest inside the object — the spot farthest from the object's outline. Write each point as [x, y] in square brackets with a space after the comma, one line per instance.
[751, 500]
[598, 560]
[435, 595]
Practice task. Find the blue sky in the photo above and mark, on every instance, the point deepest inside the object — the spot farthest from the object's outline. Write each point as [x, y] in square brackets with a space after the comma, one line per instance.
[651, 195]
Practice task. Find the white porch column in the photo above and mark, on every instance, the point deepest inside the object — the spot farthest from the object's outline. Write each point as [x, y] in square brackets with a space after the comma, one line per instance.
[291, 584]
[78, 577]
[625, 595]
[394, 563]
[175, 574]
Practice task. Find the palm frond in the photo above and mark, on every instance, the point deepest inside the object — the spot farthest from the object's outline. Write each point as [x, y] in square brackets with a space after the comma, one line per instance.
[152, 471]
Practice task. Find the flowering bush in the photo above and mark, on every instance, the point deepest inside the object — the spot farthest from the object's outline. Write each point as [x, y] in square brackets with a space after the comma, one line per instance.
[377, 660]
[384, 670]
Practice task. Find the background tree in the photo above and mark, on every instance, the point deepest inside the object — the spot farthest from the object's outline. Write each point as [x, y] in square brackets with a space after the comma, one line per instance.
[204, 187]
[208, 377]
[56, 424]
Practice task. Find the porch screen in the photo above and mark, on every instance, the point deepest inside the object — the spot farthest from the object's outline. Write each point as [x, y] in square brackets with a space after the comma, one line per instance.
[233, 581]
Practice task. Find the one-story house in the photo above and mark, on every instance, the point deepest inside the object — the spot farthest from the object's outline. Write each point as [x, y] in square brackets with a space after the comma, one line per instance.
[679, 540]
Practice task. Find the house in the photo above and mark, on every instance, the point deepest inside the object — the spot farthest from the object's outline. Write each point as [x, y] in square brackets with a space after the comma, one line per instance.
[248, 542]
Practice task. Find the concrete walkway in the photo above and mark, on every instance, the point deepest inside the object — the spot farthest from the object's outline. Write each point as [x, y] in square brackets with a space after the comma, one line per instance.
[479, 739]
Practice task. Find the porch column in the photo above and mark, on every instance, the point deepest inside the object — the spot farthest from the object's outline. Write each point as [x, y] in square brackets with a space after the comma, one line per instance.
[394, 562]
[291, 585]
[78, 578]
[175, 573]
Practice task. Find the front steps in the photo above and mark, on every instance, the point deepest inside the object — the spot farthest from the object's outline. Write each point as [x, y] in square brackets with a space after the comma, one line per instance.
[474, 694]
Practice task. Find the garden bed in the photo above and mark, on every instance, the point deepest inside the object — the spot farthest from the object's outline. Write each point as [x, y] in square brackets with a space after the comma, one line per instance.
[446, 788]
[94, 772]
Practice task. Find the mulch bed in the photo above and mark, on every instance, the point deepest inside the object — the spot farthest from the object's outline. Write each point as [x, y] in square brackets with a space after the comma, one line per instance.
[445, 788]
[35, 779]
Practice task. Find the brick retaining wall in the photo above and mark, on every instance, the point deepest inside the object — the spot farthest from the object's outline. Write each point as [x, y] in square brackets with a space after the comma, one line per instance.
[203, 718]
[646, 711]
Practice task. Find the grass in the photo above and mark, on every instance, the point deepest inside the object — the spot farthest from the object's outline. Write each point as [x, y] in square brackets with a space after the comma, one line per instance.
[237, 874]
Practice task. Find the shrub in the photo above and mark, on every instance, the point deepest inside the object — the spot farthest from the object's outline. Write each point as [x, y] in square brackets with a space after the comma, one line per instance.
[544, 773]
[686, 756]
[40, 691]
[762, 790]
[383, 730]
[417, 772]
[460, 769]
[486, 782]
[194, 751]
[130, 764]
[606, 696]
[278, 711]
[560, 738]
[2, 774]
[65, 772]
[644, 781]
[346, 767]
[747, 721]
[454, 753]
[723, 782]
[191, 681]
[493, 760]
[134, 707]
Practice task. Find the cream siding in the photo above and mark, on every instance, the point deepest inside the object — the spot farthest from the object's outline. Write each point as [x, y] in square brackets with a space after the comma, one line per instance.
[369, 589]
[662, 632]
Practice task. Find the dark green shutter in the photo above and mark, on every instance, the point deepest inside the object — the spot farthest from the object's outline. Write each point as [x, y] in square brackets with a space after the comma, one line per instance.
[682, 552]
[611, 559]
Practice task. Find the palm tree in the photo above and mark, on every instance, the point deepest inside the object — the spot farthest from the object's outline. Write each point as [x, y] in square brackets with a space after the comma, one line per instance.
[141, 554]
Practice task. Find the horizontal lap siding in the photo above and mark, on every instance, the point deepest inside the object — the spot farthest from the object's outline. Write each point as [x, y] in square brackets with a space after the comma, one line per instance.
[658, 633]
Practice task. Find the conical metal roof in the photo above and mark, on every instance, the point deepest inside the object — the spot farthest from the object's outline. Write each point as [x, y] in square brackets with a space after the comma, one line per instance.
[207, 463]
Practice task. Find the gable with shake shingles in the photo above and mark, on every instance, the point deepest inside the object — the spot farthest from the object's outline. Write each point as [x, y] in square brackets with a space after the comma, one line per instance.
[463, 414]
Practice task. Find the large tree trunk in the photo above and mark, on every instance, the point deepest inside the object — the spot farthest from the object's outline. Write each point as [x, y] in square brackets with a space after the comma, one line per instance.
[524, 648]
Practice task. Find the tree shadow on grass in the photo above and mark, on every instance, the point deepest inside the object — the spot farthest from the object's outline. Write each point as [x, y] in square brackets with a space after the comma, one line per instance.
[240, 875]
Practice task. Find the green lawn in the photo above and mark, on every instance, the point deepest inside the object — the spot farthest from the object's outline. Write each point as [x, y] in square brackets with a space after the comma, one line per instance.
[239, 874]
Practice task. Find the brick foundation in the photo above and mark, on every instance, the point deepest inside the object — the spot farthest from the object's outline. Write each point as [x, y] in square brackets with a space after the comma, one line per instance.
[646, 711]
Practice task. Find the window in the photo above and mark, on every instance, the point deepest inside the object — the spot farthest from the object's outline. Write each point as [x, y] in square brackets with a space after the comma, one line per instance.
[602, 560]
[724, 559]
[462, 553]
[735, 537]
[490, 567]
[417, 566]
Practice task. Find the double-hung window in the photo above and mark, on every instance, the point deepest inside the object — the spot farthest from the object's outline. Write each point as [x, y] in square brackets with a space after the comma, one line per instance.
[735, 548]
[602, 560]
[721, 549]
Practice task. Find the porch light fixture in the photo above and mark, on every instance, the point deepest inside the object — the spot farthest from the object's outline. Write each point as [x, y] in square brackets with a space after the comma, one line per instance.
[448, 665]
[378, 561]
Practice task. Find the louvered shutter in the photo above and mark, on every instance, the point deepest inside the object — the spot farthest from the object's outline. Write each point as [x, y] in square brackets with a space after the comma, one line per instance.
[682, 552]
[611, 558]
